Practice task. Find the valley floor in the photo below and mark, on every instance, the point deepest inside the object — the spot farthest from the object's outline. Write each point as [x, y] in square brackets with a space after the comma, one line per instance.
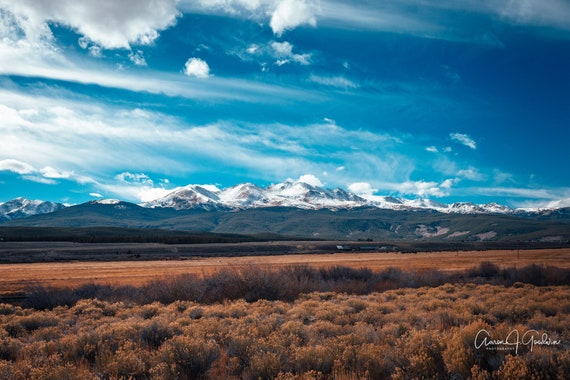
[15, 277]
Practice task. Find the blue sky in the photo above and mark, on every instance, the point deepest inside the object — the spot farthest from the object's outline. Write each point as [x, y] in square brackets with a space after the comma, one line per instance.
[452, 100]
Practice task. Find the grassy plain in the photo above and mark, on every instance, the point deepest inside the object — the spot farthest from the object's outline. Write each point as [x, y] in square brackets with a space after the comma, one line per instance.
[15, 277]
[501, 314]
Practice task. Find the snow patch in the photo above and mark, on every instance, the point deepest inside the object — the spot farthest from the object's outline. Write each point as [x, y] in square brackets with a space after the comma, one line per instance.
[486, 235]
[458, 233]
[428, 232]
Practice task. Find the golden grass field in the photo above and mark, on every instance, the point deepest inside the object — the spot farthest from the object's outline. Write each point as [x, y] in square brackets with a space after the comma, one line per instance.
[291, 317]
[15, 277]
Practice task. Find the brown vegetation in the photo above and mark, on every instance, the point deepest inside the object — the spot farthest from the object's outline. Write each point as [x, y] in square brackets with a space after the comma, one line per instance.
[15, 277]
[257, 322]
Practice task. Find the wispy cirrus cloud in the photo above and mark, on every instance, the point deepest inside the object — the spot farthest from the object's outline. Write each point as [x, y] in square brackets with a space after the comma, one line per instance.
[448, 19]
[464, 139]
[95, 138]
[16, 166]
[337, 81]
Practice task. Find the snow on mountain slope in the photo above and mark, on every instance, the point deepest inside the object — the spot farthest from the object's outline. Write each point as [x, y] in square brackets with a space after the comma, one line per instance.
[291, 193]
[287, 194]
[244, 195]
[188, 197]
[22, 208]
[302, 195]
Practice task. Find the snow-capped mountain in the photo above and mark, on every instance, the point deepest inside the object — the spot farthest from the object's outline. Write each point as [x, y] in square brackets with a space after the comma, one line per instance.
[291, 193]
[302, 195]
[287, 194]
[189, 197]
[22, 207]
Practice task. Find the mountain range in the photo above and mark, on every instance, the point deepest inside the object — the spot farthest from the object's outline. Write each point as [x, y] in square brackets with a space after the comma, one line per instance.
[299, 210]
[304, 196]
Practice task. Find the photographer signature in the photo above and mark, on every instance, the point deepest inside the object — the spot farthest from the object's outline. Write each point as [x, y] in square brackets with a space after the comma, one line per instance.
[513, 340]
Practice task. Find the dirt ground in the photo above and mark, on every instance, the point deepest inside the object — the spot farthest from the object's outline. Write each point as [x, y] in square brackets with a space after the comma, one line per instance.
[15, 277]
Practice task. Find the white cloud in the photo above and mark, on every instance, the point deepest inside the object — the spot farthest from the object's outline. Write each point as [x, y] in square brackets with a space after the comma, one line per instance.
[432, 149]
[39, 179]
[110, 24]
[16, 166]
[425, 188]
[553, 13]
[46, 175]
[290, 14]
[196, 67]
[22, 55]
[334, 81]
[136, 178]
[362, 188]
[471, 173]
[311, 180]
[49, 172]
[138, 192]
[96, 195]
[443, 18]
[284, 52]
[137, 58]
[463, 139]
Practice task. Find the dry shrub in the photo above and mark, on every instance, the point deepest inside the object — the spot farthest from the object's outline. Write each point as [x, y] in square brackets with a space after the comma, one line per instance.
[182, 287]
[46, 297]
[7, 309]
[263, 365]
[459, 352]
[419, 355]
[94, 308]
[514, 368]
[154, 333]
[128, 362]
[83, 347]
[10, 348]
[189, 357]
[317, 358]
[401, 333]
[369, 361]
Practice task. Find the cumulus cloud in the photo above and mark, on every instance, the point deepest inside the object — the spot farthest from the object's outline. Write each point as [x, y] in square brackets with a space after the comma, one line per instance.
[463, 139]
[311, 180]
[364, 189]
[197, 68]
[108, 23]
[425, 188]
[290, 14]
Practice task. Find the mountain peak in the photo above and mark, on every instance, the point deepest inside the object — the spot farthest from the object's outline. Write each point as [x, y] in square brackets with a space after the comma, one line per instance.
[22, 207]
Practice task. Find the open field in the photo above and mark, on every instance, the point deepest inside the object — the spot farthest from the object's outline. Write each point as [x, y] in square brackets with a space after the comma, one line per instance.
[500, 314]
[15, 277]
